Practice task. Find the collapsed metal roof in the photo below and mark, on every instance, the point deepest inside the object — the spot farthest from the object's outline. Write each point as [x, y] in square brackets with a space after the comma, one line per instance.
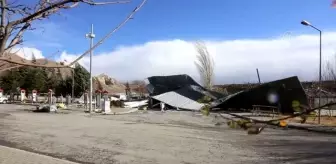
[179, 101]
[183, 92]
[179, 91]
[283, 92]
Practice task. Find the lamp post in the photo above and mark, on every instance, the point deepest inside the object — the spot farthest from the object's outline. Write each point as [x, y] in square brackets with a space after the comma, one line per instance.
[90, 35]
[306, 23]
[73, 85]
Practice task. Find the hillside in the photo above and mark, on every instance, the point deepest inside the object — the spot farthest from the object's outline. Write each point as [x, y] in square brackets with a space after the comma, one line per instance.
[64, 72]
[104, 82]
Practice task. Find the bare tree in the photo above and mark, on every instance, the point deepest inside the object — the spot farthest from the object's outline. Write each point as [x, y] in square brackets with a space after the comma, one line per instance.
[330, 70]
[205, 64]
[17, 18]
[33, 59]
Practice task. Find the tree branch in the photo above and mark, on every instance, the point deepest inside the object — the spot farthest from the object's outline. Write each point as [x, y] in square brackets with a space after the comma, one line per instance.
[3, 16]
[43, 11]
[3, 64]
[52, 8]
[71, 6]
[90, 2]
[110, 33]
[273, 121]
[9, 68]
[18, 37]
[26, 63]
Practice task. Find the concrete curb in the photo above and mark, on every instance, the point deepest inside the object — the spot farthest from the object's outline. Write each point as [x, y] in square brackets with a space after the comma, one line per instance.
[124, 112]
[15, 146]
[16, 156]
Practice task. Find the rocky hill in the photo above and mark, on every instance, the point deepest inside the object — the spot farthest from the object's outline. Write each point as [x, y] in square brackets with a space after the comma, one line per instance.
[104, 82]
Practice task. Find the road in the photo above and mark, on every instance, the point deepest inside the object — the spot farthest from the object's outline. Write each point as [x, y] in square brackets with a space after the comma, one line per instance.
[16, 156]
[156, 138]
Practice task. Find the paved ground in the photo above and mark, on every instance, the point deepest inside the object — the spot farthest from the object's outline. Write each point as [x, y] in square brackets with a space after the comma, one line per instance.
[155, 138]
[16, 156]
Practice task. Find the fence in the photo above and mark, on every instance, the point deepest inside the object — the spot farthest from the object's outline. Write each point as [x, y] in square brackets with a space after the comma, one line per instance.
[327, 111]
[41, 98]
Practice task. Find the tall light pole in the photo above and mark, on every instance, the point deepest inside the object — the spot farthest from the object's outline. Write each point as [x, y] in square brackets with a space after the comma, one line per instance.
[73, 85]
[306, 23]
[90, 35]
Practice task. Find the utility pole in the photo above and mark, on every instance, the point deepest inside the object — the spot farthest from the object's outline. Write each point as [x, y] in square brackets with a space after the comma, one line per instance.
[320, 78]
[258, 76]
[90, 35]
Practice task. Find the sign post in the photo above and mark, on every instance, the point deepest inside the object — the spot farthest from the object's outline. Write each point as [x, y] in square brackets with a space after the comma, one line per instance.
[50, 96]
[105, 97]
[98, 98]
[68, 99]
[34, 96]
[86, 98]
[106, 105]
[1, 92]
[23, 94]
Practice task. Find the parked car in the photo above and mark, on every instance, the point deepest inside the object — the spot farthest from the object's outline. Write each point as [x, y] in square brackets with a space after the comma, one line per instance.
[3, 100]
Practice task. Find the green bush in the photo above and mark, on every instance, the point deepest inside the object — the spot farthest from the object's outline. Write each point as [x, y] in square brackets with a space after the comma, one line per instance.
[205, 99]
[205, 110]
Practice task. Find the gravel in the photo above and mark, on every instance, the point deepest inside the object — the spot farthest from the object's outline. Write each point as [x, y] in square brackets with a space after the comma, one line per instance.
[155, 137]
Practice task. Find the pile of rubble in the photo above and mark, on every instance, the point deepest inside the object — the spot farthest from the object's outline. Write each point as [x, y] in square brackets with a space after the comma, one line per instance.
[49, 108]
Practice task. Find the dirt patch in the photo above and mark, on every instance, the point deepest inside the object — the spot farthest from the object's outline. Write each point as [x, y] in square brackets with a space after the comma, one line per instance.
[328, 121]
[325, 120]
[3, 115]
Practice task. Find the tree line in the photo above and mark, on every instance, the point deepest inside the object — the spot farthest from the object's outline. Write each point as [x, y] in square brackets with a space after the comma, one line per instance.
[43, 79]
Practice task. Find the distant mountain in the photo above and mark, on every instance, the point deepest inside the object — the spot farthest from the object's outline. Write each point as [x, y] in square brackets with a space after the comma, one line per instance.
[64, 72]
[104, 82]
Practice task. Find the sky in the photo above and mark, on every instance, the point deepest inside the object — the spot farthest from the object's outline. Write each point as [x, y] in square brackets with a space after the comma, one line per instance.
[240, 35]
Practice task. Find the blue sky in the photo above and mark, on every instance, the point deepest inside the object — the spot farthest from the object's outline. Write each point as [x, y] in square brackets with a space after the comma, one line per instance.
[187, 20]
[182, 19]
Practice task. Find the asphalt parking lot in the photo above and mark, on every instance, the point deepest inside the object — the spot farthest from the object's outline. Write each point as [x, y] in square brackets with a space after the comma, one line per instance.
[155, 137]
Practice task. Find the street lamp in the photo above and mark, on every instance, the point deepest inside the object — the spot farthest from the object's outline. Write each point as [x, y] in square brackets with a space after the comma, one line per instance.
[73, 85]
[306, 23]
[90, 35]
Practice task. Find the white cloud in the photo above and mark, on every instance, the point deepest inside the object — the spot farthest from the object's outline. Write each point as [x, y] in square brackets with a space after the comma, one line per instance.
[236, 60]
[27, 52]
[47, 34]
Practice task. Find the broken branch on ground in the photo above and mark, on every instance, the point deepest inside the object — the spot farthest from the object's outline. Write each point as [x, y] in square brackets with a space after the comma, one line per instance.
[273, 122]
